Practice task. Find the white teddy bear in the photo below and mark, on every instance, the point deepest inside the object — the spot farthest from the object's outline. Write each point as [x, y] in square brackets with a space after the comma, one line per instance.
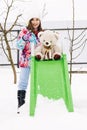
[49, 48]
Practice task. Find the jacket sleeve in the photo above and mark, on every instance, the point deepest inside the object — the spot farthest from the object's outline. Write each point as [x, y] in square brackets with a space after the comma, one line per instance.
[30, 37]
[20, 43]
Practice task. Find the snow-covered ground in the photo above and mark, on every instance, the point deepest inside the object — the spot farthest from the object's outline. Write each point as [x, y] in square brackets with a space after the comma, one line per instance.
[49, 115]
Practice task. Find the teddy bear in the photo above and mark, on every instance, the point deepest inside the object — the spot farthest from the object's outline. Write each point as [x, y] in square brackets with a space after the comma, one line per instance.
[49, 49]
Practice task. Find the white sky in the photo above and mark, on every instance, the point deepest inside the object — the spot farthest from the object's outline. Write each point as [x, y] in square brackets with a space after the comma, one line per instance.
[57, 9]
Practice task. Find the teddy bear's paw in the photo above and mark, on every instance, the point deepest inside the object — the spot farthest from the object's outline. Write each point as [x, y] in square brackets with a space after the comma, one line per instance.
[38, 57]
[57, 57]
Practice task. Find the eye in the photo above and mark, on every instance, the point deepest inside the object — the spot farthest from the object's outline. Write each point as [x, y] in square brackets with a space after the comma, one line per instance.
[43, 40]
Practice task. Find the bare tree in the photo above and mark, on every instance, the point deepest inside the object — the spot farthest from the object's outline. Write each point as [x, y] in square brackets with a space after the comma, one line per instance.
[5, 32]
[4, 38]
[76, 42]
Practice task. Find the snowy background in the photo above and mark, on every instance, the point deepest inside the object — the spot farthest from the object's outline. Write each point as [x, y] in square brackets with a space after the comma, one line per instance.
[49, 115]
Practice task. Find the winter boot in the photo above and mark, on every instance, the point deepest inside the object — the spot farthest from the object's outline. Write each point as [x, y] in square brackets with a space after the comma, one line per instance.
[21, 97]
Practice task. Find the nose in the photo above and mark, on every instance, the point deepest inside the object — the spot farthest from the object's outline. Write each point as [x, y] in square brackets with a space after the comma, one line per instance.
[47, 43]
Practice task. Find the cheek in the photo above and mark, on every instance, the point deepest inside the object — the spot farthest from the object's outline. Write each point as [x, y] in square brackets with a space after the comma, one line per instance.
[38, 22]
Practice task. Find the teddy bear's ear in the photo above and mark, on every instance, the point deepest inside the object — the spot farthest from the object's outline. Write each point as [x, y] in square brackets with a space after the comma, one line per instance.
[56, 35]
[40, 34]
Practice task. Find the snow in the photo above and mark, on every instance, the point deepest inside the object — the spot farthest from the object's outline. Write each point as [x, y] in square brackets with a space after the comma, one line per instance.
[49, 115]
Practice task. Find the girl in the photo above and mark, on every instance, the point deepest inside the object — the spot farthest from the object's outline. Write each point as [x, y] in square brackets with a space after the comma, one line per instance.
[25, 38]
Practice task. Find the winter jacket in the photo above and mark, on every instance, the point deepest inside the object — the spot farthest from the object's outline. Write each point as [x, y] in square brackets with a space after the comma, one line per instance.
[24, 41]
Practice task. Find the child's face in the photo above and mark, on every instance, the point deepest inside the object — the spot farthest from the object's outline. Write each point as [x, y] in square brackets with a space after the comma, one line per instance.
[35, 23]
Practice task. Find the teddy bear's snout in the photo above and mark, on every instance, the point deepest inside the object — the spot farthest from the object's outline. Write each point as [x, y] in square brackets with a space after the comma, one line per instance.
[47, 43]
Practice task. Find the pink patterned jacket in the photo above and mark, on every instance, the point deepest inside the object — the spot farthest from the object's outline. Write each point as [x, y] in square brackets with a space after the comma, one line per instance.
[23, 43]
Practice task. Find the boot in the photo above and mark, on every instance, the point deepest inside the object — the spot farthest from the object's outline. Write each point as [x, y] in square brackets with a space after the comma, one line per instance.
[21, 97]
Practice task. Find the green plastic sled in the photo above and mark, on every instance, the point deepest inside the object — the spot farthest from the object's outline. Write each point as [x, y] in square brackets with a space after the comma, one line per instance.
[50, 79]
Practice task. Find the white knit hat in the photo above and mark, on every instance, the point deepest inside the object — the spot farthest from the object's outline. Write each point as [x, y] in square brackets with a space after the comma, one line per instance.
[34, 14]
[34, 11]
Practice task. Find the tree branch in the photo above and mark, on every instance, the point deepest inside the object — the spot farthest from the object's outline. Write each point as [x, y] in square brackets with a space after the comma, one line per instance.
[79, 52]
[14, 23]
[79, 41]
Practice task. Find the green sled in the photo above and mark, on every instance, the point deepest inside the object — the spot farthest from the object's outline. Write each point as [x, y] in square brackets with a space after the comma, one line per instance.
[50, 79]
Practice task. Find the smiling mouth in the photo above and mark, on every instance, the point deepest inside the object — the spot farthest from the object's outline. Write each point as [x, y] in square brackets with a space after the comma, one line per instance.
[34, 24]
